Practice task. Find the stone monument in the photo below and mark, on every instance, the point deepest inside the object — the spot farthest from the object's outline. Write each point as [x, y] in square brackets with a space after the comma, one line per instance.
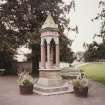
[50, 82]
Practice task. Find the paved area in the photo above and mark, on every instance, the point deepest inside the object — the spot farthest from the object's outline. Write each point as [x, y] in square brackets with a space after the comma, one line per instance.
[9, 95]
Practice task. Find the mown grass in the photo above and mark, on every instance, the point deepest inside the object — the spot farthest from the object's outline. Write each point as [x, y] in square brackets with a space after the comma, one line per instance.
[95, 71]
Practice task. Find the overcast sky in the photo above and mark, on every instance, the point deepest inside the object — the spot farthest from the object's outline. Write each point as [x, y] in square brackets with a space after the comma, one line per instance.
[85, 11]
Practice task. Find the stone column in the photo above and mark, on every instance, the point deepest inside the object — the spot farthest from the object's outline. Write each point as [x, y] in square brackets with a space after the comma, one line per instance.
[57, 55]
[48, 55]
[42, 56]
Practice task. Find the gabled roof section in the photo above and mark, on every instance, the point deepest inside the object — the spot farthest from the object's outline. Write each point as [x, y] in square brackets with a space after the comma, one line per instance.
[49, 23]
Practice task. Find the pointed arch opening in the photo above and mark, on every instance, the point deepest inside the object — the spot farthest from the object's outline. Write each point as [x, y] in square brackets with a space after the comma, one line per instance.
[53, 51]
[45, 47]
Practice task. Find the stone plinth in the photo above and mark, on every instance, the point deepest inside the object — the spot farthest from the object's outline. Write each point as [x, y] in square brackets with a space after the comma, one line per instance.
[50, 82]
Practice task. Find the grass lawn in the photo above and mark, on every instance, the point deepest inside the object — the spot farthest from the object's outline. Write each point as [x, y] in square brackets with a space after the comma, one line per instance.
[95, 71]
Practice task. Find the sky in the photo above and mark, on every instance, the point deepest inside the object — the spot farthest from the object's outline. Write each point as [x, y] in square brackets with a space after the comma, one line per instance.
[85, 11]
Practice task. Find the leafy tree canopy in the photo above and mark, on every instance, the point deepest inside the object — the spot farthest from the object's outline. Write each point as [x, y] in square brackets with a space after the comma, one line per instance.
[101, 16]
[95, 52]
[21, 20]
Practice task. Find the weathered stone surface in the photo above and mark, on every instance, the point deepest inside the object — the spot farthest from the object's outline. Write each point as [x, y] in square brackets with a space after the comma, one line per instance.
[50, 81]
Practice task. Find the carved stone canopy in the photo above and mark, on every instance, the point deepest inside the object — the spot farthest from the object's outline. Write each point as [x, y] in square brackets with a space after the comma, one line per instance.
[49, 31]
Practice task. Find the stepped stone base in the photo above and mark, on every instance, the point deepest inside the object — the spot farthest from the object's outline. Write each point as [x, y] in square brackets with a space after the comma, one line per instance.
[50, 83]
[52, 90]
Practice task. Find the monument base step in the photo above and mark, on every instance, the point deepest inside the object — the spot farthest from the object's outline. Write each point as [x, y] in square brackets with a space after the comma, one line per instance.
[44, 90]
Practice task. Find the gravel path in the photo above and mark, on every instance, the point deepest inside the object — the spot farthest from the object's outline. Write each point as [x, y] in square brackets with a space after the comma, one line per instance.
[9, 95]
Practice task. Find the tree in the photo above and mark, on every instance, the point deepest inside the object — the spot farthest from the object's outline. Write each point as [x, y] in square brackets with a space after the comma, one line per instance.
[22, 17]
[101, 16]
[66, 54]
[7, 62]
[95, 52]
[91, 52]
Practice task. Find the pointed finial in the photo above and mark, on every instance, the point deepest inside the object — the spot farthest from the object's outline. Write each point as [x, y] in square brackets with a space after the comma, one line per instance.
[49, 22]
